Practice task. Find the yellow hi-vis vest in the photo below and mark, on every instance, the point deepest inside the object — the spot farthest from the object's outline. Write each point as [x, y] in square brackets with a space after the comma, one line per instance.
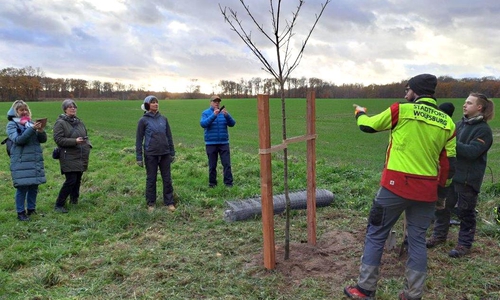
[420, 132]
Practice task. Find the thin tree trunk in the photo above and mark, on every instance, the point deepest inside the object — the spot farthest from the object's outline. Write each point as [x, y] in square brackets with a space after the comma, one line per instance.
[285, 175]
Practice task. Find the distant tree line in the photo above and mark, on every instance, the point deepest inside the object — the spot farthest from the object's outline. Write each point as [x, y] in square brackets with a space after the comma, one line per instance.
[31, 84]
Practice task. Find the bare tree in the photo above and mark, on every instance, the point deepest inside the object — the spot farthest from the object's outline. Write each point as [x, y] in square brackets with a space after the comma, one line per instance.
[193, 89]
[286, 62]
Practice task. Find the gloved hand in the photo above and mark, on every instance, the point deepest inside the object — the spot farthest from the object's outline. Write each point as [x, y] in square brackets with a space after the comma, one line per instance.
[172, 159]
[140, 163]
[358, 109]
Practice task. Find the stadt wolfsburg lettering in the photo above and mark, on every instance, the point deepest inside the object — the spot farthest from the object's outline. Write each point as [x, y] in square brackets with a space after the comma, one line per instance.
[430, 114]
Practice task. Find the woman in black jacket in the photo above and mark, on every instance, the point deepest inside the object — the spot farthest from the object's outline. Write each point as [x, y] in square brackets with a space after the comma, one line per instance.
[154, 141]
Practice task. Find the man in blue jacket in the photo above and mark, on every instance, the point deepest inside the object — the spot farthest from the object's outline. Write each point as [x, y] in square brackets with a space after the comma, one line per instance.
[215, 121]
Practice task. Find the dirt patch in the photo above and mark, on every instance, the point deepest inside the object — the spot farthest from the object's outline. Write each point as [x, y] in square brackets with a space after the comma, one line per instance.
[335, 258]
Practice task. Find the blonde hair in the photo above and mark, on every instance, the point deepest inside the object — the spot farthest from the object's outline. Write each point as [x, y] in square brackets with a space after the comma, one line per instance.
[488, 107]
[20, 104]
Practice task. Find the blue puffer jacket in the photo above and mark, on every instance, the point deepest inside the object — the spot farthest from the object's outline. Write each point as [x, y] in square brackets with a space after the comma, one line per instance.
[26, 159]
[216, 126]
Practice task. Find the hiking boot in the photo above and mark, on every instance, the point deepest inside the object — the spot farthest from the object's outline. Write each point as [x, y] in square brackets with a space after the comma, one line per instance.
[21, 216]
[73, 201]
[433, 242]
[355, 292]
[61, 209]
[459, 251]
[171, 207]
[151, 208]
[32, 212]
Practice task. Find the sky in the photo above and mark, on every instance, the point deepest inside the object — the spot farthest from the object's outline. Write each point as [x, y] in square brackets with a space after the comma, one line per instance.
[168, 45]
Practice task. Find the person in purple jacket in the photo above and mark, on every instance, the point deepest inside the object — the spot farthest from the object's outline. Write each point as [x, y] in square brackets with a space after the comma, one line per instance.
[215, 121]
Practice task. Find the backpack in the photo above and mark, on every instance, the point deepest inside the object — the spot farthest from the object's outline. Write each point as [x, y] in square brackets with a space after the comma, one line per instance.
[8, 142]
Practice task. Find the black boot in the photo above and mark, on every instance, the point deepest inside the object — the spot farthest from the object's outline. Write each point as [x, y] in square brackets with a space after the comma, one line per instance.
[21, 216]
[73, 200]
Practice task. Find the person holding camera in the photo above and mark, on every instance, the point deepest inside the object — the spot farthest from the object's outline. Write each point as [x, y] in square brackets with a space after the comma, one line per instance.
[215, 121]
[70, 135]
[26, 157]
[154, 140]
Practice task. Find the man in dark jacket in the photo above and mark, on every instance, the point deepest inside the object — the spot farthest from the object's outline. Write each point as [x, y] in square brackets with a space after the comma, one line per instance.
[215, 121]
[474, 139]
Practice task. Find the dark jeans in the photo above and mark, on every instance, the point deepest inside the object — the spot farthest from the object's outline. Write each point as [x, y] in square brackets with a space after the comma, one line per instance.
[213, 152]
[26, 194]
[71, 188]
[465, 198]
[153, 163]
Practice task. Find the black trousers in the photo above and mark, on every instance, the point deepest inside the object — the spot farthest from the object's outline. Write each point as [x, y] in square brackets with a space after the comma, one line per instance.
[464, 197]
[213, 153]
[153, 163]
[70, 187]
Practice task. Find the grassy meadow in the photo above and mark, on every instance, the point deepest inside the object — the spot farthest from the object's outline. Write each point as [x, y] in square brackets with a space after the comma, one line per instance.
[109, 247]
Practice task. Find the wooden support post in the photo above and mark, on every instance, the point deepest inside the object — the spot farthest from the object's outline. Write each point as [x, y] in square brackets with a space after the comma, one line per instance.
[266, 186]
[311, 168]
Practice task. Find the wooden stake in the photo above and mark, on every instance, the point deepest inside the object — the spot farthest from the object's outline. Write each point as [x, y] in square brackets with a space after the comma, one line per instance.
[266, 186]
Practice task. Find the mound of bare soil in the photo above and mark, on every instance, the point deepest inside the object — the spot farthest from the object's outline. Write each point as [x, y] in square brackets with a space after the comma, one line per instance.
[335, 258]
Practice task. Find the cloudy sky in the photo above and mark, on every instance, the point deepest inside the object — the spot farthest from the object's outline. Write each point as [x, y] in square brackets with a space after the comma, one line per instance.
[164, 44]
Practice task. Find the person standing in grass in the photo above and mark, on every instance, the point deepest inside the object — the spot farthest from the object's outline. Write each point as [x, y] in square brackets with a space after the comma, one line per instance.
[474, 139]
[419, 133]
[26, 157]
[154, 140]
[70, 135]
[215, 121]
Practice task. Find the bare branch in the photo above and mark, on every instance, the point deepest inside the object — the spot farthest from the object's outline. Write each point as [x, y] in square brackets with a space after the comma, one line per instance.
[280, 40]
[301, 52]
[246, 38]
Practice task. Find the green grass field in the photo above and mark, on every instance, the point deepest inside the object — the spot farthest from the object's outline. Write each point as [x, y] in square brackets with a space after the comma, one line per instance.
[109, 247]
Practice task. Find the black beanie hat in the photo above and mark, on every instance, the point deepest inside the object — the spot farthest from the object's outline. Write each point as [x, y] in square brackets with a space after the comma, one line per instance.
[447, 108]
[423, 84]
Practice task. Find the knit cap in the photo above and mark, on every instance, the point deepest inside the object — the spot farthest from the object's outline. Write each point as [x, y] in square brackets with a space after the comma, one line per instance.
[147, 100]
[448, 108]
[423, 84]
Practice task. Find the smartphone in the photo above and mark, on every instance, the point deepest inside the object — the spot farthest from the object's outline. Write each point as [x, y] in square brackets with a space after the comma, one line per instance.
[223, 106]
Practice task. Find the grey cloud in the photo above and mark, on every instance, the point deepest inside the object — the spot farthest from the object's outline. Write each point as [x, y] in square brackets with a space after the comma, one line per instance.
[190, 39]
